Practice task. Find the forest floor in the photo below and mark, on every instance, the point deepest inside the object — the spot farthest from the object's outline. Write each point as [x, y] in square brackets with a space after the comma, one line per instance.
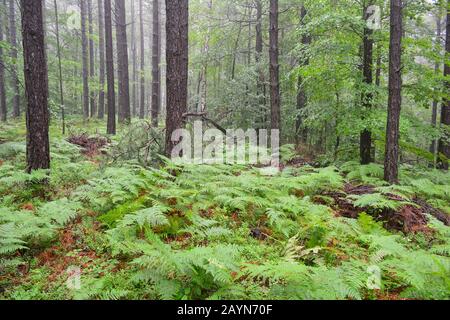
[102, 229]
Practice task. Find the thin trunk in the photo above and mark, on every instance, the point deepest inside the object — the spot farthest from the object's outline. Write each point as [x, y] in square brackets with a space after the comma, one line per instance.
[101, 44]
[111, 129]
[395, 93]
[84, 44]
[91, 58]
[3, 109]
[437, 67]
[156, 68]
[61, 87]
[142, 70]
[177, 15]
[122, 62]
[134, 58]
[36, 86]
[367, 96]
[444, 146]
[274, 67]
[14, 75]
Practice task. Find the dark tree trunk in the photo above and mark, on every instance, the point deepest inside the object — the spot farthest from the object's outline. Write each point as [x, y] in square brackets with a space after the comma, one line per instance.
[142, 73]
[84, 45]
[395, 93]
[91, 58]
[367, 96]
[156, 60]
[274, 67]
[101, 51]
[260, 86]
[36, 86]
[61, 87]
[14, 76]
[111, 129]
[122, 62]
[302, 99]
[444, 146]
[177, 14]
[3, 109]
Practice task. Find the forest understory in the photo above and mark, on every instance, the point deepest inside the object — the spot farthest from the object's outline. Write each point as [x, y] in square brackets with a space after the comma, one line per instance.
[138, 229]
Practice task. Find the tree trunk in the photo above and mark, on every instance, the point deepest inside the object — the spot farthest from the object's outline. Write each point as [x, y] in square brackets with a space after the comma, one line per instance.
[134, 101]
[444, 146]
[437, 67]
[101, 44]
[142, 71]
[122, 62]
[36, 86]
[156, 61]
[14, 75]
[302, 99]
[395, 93]
[61, 87]
[91, 58]
[111, 129]
[367, 96]
[274, 67]
[3, 109]
[84, 45]
[177, 15]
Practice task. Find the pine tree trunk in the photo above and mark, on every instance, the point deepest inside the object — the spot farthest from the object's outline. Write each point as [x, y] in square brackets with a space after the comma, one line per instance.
[122, 62]
[177, 15]
[134, 89]
[274, 67]
[14, 75]
[84, 45]
[437, 67]
[395, 93]
[444, 146]
[101, 44]
[36, 86]
[91, 58]
[156, 61]
[142, 73]
[367, 96]
[61, 87]
[3, 109]
[111, 128]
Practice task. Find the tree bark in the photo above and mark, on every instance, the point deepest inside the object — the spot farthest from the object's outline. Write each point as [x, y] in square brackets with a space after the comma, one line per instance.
[91, 58]
[142, 70]
[367, 96]
[156, 68]
[101, 44]
[3, 109]
[177, 15]
[274, 67]
[134, 101]
[395, 93]
[36, 86]
[85, 59]
[61, 87]
[437, 67]
[111, 128]
[14, 75]
[122, 62]
[444, 146]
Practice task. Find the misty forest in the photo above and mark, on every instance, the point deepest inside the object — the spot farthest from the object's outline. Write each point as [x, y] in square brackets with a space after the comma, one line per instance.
[94, 205]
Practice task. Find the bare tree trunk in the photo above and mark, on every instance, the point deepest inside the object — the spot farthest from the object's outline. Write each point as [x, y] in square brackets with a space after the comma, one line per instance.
[36, 86]
[91, 58]
[395, 93]
[302, 98]
[3, 109]
[134, 101]
[13, 41]
[101, 40]
[111, 129]
[444, 146]
[61, 87]
[437, 67]
[367, 96]
[142, 73]
[122, 62]
[274, 67]
[177, 14]
[156, 68]
[84, 45]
